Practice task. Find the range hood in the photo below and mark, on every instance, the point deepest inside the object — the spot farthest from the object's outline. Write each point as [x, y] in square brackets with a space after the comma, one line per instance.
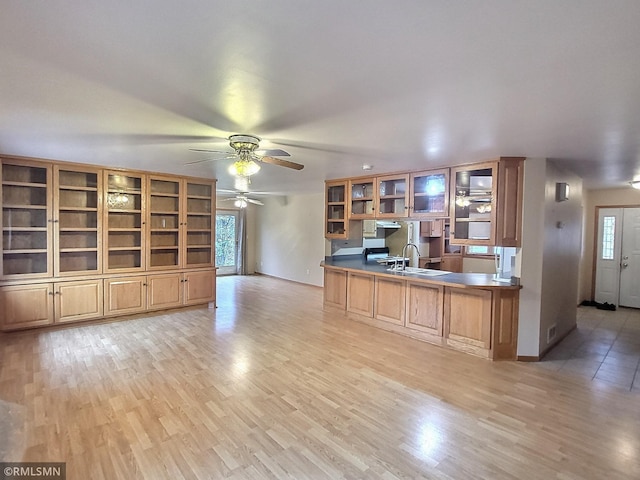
[387, 224]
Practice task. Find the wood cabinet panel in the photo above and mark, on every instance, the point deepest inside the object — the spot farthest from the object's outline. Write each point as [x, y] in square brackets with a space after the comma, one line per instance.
[125, 295]
[389, 300]
[468, 316]
[510, 198]
[424, 304]
[360, 292]
[335, 288]
[451, 263]
[164, 291]
[81, 300]
[26, 305]
[200, 287]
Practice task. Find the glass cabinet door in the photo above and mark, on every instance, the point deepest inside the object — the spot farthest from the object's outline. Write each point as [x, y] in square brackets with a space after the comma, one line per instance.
[430, 194]
[474, 204]
[336, 224]
[393, 196]
[163, 222]
[200, 224]
[361, 198]
[26, 220]
[77, 222]
[124, 236]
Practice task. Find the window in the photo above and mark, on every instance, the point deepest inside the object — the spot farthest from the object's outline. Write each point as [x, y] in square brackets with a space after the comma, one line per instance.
[481, 250]
[608, 237]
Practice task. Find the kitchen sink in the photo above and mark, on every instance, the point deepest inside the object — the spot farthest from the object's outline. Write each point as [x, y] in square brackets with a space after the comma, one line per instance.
[428, 272]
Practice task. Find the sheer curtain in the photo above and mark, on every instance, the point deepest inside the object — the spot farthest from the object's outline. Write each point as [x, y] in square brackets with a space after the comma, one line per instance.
[241, 235]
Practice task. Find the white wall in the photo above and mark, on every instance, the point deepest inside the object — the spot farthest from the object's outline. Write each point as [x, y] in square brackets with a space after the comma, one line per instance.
[550, 256]
[290, 240]
[611, 197]
[561, 258]
[530, 260]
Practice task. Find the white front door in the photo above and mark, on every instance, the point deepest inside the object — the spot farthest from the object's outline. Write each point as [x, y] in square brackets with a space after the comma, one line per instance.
[608, 259]
[630, 261]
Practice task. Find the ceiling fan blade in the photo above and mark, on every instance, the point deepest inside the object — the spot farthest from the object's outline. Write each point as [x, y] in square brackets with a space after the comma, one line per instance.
[208, 151]
[230, 199]
[281, 163]
[255, 202]
[276, 152]
[210, 159]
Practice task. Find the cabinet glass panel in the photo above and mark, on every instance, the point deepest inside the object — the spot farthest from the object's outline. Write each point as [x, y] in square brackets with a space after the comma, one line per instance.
[430, 194]
[392, 196]
[362, 201]
[335, 214]
[26, 220]
[164, 223]
[200, 225]
[77, 221]
[473, 204]
[124, 221]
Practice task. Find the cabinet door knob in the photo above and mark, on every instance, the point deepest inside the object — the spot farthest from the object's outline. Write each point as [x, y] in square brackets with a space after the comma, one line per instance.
[51, 293]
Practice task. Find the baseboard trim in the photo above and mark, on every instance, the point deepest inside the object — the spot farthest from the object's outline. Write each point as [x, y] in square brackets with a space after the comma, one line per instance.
[528, 358]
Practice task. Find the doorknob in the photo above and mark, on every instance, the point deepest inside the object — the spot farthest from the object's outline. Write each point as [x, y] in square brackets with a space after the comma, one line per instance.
[625, 257]
[625, 264]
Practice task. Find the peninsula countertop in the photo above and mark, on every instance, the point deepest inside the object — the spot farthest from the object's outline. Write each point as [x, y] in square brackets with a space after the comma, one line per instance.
[357, 263]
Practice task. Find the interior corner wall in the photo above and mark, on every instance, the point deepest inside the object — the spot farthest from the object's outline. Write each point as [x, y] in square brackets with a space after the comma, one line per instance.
[531, 254]
[290, 240]
[561, 255]
[610, 197]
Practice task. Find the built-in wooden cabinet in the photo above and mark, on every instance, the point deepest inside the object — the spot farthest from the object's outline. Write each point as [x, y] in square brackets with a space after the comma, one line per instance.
[424, 303]
[335, 214]
[429, 194]
[200, 211]
[27, 220]
[360, 289]
[79, 240]
[124, 230]
[335, 288]
[389, 300]
[443, 255]
[362, 199]
[392, 196]
[487, 203]
[77, 220]
[40, 304]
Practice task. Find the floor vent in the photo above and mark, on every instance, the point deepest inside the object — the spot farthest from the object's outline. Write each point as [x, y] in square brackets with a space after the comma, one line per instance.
[551, 333]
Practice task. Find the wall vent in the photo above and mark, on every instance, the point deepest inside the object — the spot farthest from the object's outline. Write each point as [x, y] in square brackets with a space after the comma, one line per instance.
[551, 333]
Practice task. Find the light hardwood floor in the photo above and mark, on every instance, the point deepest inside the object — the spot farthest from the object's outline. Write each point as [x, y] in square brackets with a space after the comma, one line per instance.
[269, 386]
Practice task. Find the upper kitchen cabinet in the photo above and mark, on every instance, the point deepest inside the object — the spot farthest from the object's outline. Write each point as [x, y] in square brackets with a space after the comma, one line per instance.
[392, 196]
[487, 200]
[362, 199]
[429, 194]
[27, 219]
[124, 234]
[335, 214]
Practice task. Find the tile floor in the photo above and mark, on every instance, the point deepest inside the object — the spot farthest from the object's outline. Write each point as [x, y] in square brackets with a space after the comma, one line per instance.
[605, 348]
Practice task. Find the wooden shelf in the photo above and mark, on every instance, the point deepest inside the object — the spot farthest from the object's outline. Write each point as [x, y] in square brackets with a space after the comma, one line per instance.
[78, 188]
[78, 229]
[7, 251]
[24, 229]
[79, 249]
[78, 209]
[25, 184]
[124, 249]
[479, 220]
[23, 206]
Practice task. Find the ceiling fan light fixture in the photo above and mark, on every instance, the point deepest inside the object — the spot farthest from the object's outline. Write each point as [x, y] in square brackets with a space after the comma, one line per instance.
[244, 168]
[240, 203]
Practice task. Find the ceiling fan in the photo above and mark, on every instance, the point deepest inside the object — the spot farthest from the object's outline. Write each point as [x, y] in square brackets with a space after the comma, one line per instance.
[248, 157]
[241, 200]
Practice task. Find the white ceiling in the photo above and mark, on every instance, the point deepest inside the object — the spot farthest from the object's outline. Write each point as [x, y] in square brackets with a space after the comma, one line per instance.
[398, 84]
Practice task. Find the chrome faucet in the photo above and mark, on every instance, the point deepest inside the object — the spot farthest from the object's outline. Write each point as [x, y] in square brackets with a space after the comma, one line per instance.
[404, 253]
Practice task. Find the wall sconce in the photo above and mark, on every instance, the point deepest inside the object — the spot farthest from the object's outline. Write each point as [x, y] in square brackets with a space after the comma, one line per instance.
[635, 184]
[562, 191]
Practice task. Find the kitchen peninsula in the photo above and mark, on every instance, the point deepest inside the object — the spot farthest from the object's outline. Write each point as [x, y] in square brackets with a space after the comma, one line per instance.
[469, 312]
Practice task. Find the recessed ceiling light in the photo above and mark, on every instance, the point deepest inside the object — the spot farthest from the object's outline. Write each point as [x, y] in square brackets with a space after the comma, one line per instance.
[366, 166]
